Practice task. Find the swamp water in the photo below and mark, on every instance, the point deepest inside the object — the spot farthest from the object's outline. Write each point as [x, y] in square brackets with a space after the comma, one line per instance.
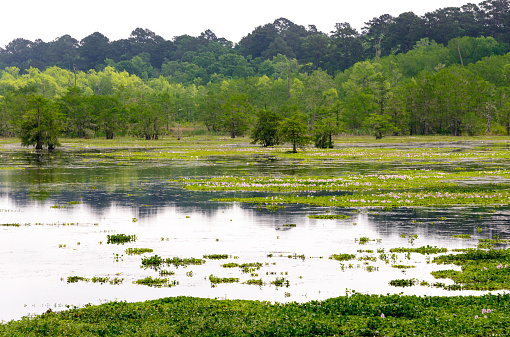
[56, 212]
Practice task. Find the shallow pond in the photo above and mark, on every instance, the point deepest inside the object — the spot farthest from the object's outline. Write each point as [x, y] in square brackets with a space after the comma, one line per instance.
[56, 212]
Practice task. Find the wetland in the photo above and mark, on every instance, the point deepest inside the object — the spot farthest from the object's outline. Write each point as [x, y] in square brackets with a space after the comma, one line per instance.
[217, 218]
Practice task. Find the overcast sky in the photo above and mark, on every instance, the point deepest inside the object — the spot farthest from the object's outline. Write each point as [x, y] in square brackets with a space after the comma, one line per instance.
[50, 19]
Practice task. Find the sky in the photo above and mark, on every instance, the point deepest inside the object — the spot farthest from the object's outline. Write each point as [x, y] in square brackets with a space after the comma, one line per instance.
[50, 19]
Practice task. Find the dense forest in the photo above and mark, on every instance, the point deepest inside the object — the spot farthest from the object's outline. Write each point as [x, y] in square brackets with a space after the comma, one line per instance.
[446, 72]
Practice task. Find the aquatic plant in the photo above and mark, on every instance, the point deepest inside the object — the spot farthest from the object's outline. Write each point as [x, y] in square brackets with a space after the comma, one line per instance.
[257, 282]
[216, 256]
[342, 257]
[156, 282]
[138, 251]
[74, 279]
[329, 216]
[280, 282]
[462, 236]
[217, 280]
[421, 250]
[120, 238]
[403, 282]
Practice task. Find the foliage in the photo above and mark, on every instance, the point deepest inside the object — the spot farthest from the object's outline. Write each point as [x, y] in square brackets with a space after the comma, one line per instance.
[293, 130]
[120, 238]
[323, 133]
[342, 257]
[41, 124]
[138, 251]
[265, 130]
[355, 315]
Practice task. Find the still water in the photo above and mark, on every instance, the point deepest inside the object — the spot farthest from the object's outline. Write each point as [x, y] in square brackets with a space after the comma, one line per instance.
[67, 203]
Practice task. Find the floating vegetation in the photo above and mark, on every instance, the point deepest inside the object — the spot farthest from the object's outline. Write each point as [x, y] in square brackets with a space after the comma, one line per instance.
[176, 261]
[367, 258]
[442, 197]
[480, 269]
[217, 280]
[281, 282]
[216, 256]
[246, 268]
[355, 182]
[257, 282]
[329, 216]
[289, 225]
[138, 251]
[296, 256]
[402, 266]
[74, 279]
[166, 272]
[10, 225]
[59, 206]
[421, 250]
[156, 282]
[120, 238]
[491, 243]
[155, 262]
[403, 282]
[342, 257]
[462, 236]
[274, 207]
[363, 240]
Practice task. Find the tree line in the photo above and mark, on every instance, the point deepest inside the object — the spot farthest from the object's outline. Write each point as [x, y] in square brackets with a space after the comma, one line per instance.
[461, 88]
[208, 58]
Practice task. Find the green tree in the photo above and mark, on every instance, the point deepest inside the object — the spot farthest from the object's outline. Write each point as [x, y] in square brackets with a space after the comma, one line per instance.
[41, 124]
[323, 133]
[265, 131]
[380, 124]
[236, 114]
[294, 130]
